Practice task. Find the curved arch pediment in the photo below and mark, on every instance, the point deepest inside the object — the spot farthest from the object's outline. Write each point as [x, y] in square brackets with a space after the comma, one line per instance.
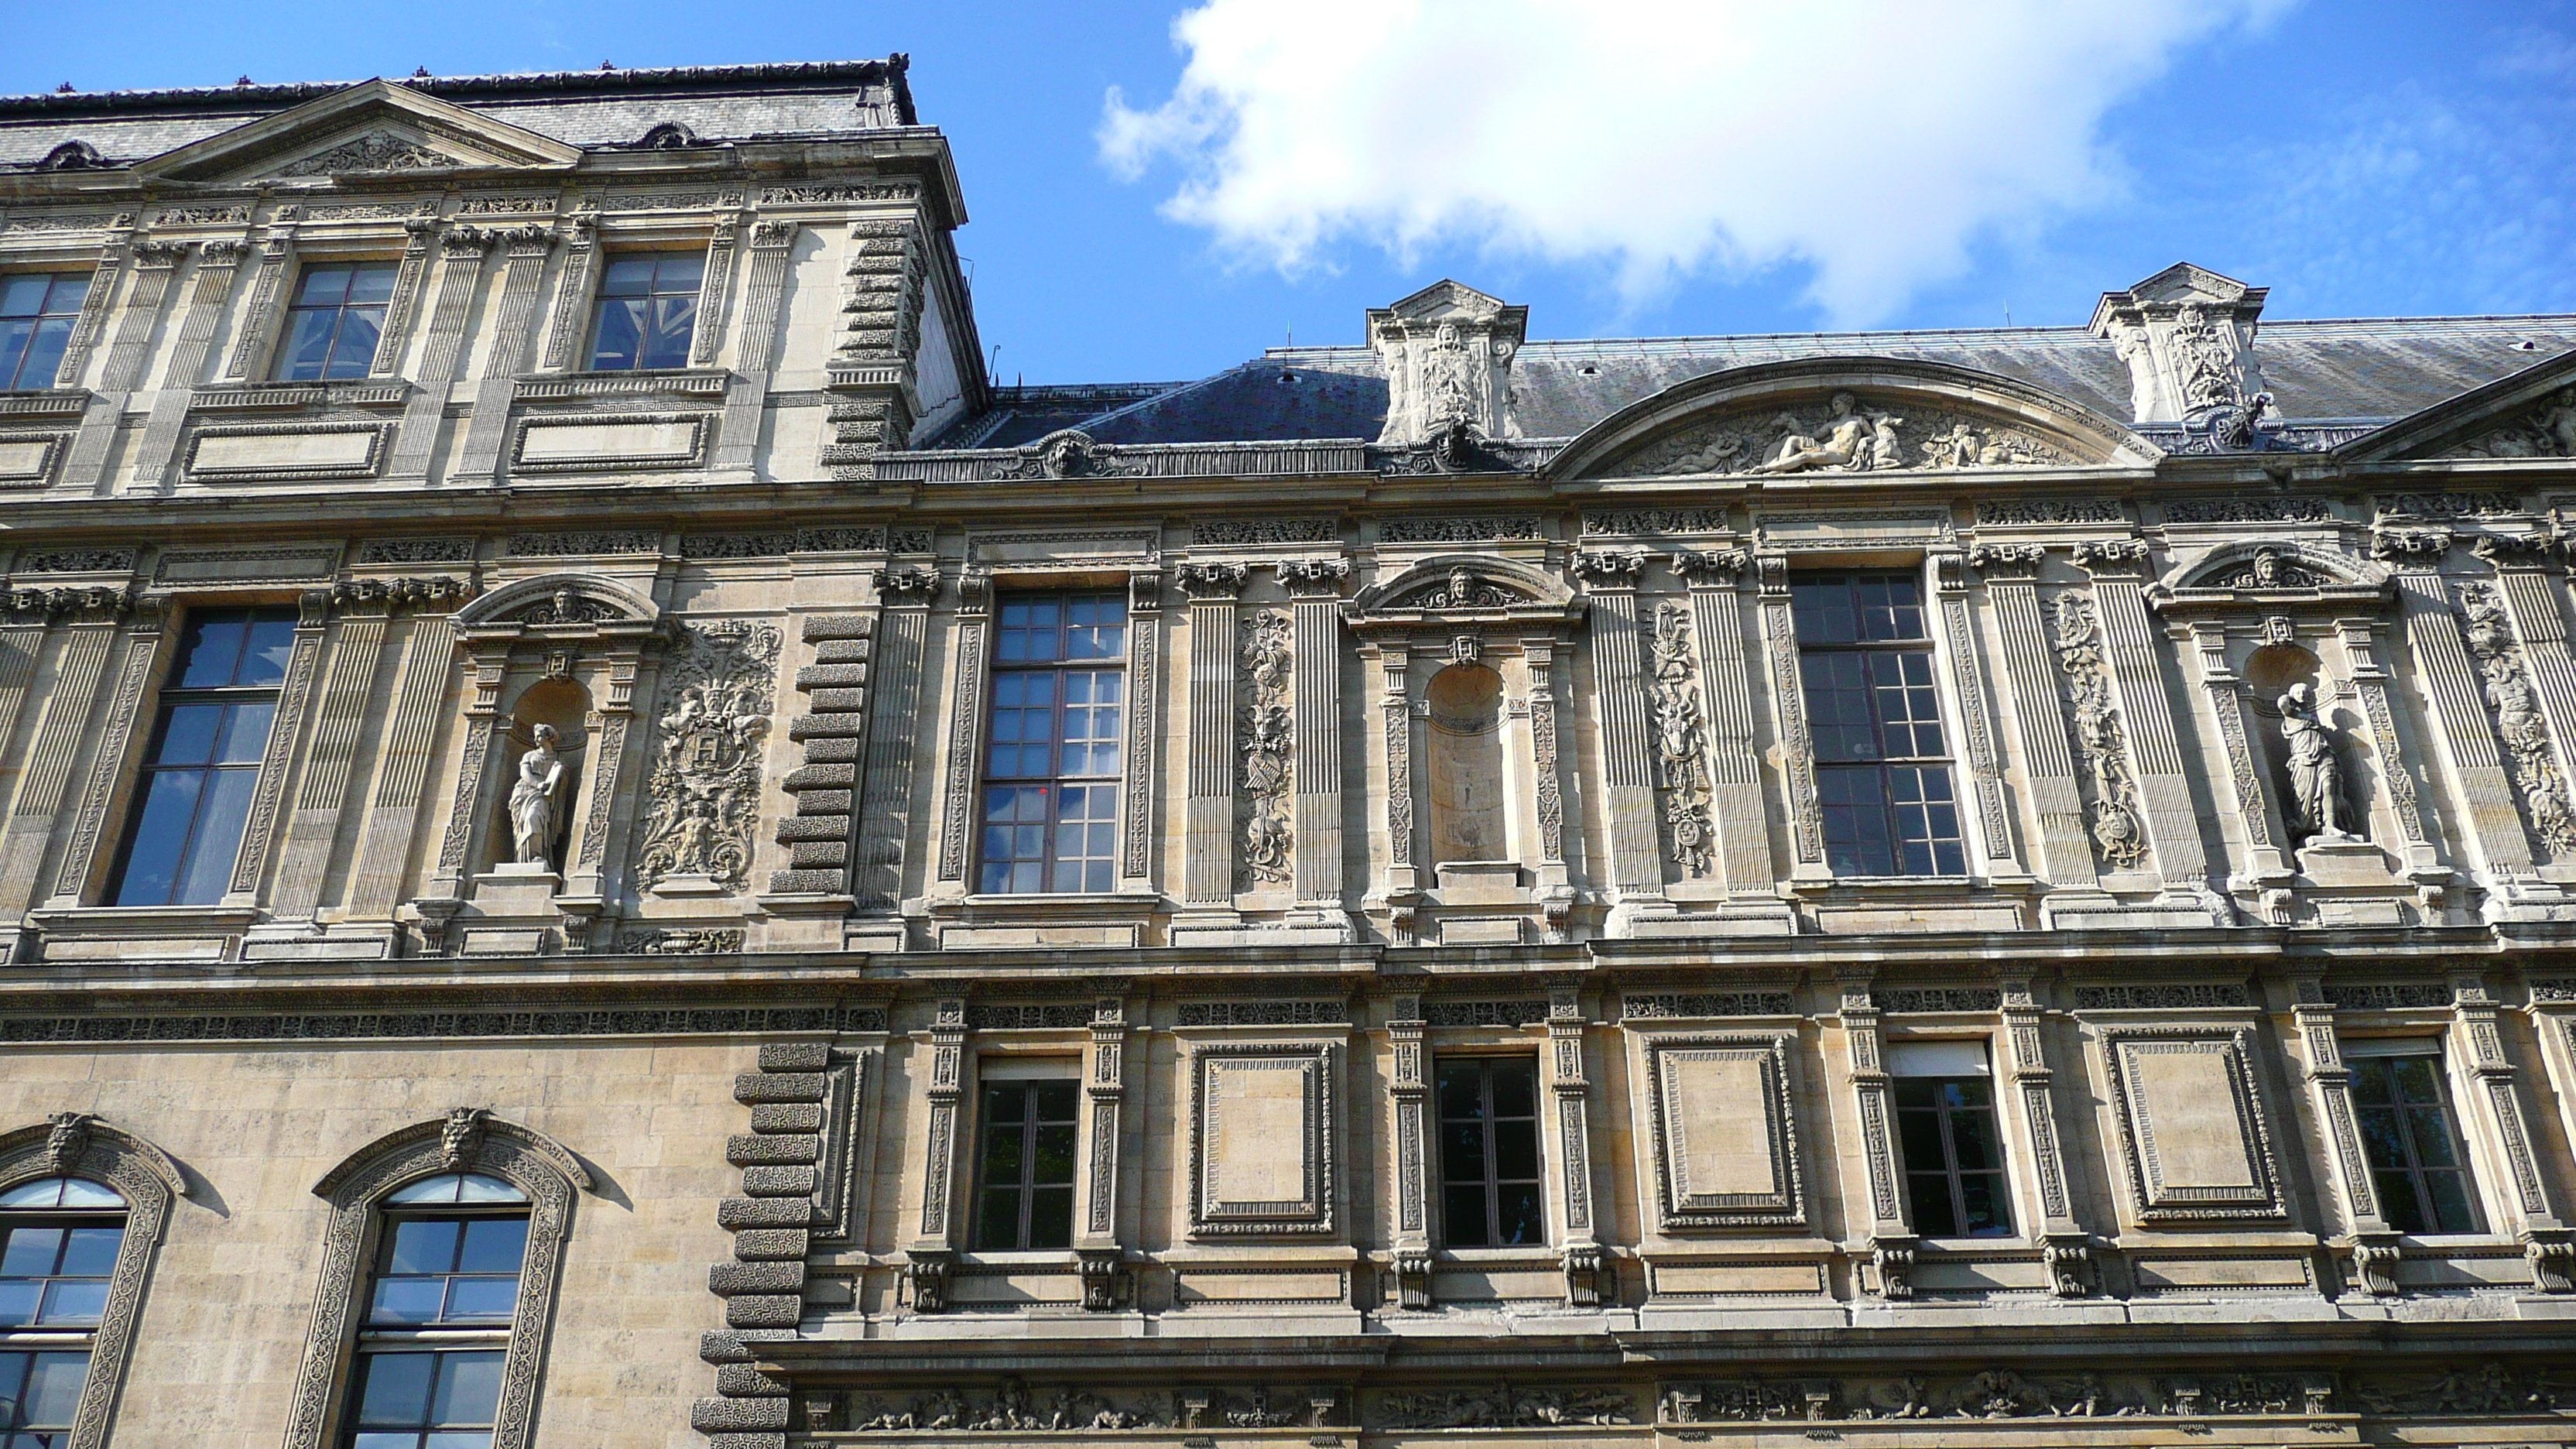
[555, 599]
[1845, 415]
[2273, 566]
[67, 1138]
[465, 1140]
[1456, 583]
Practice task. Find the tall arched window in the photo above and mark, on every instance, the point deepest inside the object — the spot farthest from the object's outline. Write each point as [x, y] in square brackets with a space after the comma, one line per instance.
[82, 1206]
[437, 1287]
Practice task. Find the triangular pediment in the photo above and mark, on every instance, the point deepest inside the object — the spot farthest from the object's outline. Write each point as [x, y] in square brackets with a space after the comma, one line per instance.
[2529, 414]
[1445, 300]
[373, 128]
[2184, 282]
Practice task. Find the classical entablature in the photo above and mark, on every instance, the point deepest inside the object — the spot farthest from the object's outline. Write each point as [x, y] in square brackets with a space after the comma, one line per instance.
[1848, 415]
[2528, 415]
[1463, 593]
[374, 128]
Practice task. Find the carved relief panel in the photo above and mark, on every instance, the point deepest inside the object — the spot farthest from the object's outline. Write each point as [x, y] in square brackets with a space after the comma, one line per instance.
[1725, 1132]
[2192, 1132]
[1263, 1140]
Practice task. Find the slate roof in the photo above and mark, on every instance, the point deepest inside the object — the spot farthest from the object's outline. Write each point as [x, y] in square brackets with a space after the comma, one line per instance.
[582, 107]
[2364, 371]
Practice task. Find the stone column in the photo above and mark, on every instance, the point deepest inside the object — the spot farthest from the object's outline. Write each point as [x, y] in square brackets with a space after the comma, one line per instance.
[24, 614]
[1627, 730]
[478, 456]
[259, 317]
[487, 735]
[2067, 1246]
[1208, 823]
[402, 769]
[933, 1248]
[715, 292]
[1741, 816]
[251, 866]
[79, 660]
[155, 264]
[1315, 588]
[966, 716]
[356, 645]
[1409, 1087]
[2131, 647]
[1555, 887]
[572, 295]
[2063, 843]
[2462, 742]
[884, 824]
[216, 263]
[764, 283]
[2530, 597]
[75, 882]
[1140, 791]
[2248, 794]
[2554, 1264]
[2372, 1242]
[588, 877]
[1976, 725]
[2478, 1038]
[1891, 1237]
[460, 269]
[112, 255]
[1401, 890]
[1789, 721]
[1098, 1244]
[1579, 1247]
[422, 233]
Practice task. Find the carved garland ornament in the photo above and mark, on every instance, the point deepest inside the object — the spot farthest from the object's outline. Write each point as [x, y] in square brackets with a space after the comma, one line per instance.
[2111, 803]
[1681, 760]
[1264, 726]
[1851, 435]
[2519, 725]
[705, 786]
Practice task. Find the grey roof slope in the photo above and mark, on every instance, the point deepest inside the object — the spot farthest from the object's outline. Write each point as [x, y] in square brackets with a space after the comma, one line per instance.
[2375, 370]
[582, 107]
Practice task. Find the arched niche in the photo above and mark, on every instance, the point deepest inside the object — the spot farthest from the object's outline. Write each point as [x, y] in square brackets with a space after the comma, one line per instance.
[1466, 780]
[1832, 417]
[560, 704]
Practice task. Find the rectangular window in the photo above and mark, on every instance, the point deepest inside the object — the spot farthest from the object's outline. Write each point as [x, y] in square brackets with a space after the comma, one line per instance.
[39, 1393]
[409, 1400]
[56, 1273]
[1024, 1181]
[335, 321]
[450, 1270]
[1952, 1142]
[1051, 769]
[647, 311]
[1490, 1194]
[37, 313]
[2416, 1164]
[1882, 761]
[204, 762]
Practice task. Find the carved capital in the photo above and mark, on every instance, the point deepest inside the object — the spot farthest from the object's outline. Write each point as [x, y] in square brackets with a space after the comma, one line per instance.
[2017, 561]
[773, 233]
[1711, 568]
[1617, 568]
[1144, 592]
[1214, 580]
[928, 1270]
[1893, 1257]
[472, 241]
[907, 586]
[159, 254]
[2419, 546]
[2121, 558]
[2517, 550]
[1314, 577]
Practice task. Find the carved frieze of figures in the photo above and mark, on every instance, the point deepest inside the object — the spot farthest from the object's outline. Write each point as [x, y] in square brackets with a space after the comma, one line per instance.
[2547, 431]
[2519, 725]
[1680, 758]
[2002, 1393]
[705, 785]
[2112, 804]
[1262, 727]
[1014, 1408]
[1503, 1406]
[1853, 434]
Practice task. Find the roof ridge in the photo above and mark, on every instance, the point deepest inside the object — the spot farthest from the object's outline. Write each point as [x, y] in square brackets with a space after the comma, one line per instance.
[890, 68]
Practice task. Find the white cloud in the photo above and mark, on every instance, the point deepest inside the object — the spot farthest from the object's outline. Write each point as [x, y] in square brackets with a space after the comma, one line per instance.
[1871, 139]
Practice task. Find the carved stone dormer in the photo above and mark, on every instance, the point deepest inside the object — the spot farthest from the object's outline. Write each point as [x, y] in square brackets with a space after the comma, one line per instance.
[2187, 334]
[1448, 351]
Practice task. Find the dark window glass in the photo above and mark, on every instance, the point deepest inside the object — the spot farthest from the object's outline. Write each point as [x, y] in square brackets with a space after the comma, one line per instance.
[37, 312]
[1490, 1193]
[39, 1392]
[410, 1400]
[1954, 1157]
[2415, 1160]
[1051, 762]
[647, 311]
[1024, 1188]
[195, 789]
[335, 321]
[1882, 759]
[449, 1270]
[54, 1271]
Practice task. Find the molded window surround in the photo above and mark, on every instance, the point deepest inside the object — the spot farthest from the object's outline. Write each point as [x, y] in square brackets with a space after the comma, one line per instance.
[361, 1192]
[83, 1155]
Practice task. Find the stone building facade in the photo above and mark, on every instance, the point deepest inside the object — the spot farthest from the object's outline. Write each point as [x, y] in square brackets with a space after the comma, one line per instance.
[605, 844]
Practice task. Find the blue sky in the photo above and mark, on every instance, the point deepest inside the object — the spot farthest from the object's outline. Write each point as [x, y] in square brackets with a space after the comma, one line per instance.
[1757, 165]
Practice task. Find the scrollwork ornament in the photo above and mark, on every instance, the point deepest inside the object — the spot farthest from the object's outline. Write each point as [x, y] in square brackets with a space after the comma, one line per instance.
[2119, 839]
[705, 785]
[1263, 728]
[2520, 727]
[1681, 760]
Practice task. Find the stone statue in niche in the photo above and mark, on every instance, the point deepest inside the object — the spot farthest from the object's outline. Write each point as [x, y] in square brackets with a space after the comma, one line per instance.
[533, 815]
[2316, 773]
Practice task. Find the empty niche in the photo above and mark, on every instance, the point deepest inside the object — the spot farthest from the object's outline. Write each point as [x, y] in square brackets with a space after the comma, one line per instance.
[1466, 765]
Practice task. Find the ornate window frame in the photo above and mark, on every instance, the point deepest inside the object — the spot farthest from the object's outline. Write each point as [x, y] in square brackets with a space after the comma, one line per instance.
[75, 1144]
[467, 1139]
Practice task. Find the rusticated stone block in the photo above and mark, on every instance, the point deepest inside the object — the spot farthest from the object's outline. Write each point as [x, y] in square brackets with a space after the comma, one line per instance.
[787, 1116]
[760, 1413]
[831, 749]
[840, 699]
[741, 1381]
[821, 776]
[764, 1310]
[747, 1150]
[737, 1345]
[746, 1441]
[808, 882]
[765, 1212]
[795, 828]
[780, 1181]
[833, 676]
[760, 1245]
[814, 854]
[779, 1087]
[736, 1280]
[845, 651]
[795, 1056]
[812, 726]
[818, 627]
[825, 802]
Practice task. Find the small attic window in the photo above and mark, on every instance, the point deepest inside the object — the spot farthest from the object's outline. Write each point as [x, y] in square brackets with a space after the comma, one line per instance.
[1287, 376]
[72, 156]
[2528, 345]
[1588, 370]
[668, 136]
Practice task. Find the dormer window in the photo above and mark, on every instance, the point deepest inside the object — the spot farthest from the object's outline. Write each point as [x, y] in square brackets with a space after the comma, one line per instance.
[647, 311]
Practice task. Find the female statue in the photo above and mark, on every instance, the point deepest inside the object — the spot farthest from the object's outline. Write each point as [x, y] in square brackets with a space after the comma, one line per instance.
[532, 799]
[2315, 773]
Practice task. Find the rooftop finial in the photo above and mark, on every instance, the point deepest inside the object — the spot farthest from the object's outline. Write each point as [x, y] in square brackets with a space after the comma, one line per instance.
[64, 89]
[420, 72]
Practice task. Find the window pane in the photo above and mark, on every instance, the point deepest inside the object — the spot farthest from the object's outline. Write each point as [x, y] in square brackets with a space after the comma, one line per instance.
[1515, 1150]
[422, 1247]
[396, 1392]
[42, 353]
[469, 1386]
[2452, 1212]
[1514, 1088]
[53, 1389]
[79, 1192]
[308, 346]
[160, 839]
[1051, 1218]
[217, 842]
[620, 331]
[679, 271]
[16, 336]
[475, 1187]
[1463, 1215]
[90, 1252]
[371, 284]
[407, 1300]
[627, 277]
[1934, 1217]
[493, 1245]
[355, 348]
[1520, 1221]
[31, 1252]
[212, 649]
[998, 1226]
[75, 1301]
[323, 287]
[482, 1299]
[1988, 1213]
[245, 732]
[673, 323]
[22, 294]
[429, 1189]
[20, 1298]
